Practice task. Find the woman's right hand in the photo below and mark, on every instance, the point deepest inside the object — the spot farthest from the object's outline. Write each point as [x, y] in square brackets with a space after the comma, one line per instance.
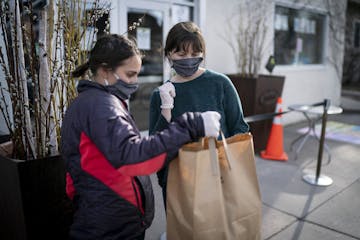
[167, 94]
[211, 121]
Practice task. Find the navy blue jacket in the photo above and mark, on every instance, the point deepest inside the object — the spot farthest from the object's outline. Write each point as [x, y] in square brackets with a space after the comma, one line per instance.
[108, 163]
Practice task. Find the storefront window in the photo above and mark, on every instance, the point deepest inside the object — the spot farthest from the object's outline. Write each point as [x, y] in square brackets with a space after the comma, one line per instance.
[299, 36]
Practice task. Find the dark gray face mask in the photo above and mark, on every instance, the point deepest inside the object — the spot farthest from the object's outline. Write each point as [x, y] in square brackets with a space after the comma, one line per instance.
[186, 67]
[122, 89]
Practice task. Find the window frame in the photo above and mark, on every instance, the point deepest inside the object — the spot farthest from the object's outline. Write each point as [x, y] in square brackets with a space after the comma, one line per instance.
[313, 10]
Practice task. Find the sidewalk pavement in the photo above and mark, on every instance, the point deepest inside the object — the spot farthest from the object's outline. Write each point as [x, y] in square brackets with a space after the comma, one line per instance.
[294, 209]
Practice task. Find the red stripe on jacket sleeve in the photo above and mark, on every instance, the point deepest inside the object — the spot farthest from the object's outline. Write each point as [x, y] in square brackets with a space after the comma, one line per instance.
[144, 168]
[119, 180]
[70, 189]
[95, 163]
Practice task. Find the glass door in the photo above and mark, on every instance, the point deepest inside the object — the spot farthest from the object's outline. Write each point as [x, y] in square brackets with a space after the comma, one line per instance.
[157, 19]
[149, 36]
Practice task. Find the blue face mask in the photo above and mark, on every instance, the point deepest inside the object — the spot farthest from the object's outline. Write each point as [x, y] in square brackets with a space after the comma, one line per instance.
[186, 67]
[122, 89]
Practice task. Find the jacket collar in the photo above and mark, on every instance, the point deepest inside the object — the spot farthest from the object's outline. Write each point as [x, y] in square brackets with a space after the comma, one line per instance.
[84, 85]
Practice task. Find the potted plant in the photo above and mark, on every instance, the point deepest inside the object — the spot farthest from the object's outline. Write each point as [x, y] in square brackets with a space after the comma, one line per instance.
[258, 92]
[40, 45]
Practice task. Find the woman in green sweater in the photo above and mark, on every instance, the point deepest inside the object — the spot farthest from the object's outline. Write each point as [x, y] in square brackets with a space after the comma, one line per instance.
[193, 88]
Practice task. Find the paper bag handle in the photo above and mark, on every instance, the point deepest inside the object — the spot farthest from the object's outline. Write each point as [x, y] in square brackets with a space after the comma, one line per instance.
[228, 155]
[216, 172]
[214, 157]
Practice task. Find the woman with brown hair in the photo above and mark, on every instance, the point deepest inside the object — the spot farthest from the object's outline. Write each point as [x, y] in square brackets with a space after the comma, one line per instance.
[193, 88]
[106, 158]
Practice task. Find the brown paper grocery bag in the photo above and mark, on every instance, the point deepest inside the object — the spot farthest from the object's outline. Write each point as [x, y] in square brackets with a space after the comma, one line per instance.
[213, 191]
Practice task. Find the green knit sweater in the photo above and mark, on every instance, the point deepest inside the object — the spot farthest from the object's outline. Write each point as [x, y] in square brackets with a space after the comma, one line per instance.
[211, 91]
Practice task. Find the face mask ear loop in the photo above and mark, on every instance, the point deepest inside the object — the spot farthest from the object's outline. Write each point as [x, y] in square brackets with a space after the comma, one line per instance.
[116, 76]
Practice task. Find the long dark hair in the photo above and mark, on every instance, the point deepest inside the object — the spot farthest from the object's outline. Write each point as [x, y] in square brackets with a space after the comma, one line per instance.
[109, 51]
[182, 35]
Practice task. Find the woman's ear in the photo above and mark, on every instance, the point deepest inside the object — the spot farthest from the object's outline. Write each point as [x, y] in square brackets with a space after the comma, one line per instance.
[100, 72]
[102, 75]
[105, 72]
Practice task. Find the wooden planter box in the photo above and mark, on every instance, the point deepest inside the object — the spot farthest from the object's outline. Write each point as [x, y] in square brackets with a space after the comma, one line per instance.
[259, 95]
[33, 201]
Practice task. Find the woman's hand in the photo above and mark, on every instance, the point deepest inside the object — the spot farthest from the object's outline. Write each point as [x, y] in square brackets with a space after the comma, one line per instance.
[211, 121]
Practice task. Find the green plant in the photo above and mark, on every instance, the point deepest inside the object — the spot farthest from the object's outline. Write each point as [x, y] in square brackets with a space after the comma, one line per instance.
[40, 49]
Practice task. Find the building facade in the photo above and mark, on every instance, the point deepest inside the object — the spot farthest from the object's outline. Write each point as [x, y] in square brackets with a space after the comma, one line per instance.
[306, 38]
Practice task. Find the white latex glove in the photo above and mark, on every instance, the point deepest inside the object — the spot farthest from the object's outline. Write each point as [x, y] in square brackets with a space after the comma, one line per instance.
[167, 94]
[211, 123]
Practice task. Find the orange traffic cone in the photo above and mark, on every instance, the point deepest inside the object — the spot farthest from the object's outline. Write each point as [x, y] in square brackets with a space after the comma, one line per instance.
[275, 147]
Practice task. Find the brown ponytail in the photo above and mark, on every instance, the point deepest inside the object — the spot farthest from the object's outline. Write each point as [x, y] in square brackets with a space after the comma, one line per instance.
[80, 70]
